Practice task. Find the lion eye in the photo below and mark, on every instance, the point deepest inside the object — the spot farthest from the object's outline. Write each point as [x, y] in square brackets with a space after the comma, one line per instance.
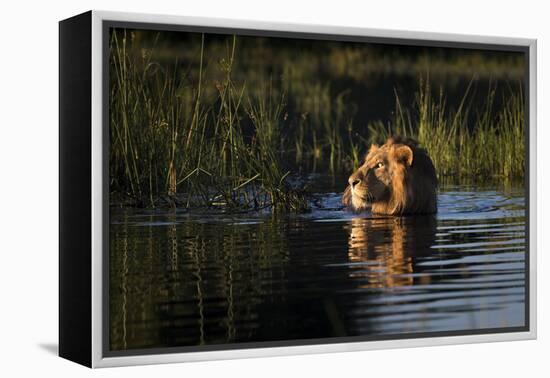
[379, 164]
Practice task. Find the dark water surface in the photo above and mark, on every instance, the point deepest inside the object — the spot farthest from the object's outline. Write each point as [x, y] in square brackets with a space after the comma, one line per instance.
[180, 279]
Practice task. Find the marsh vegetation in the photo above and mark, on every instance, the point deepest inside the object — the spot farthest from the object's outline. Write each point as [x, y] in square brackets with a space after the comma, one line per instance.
[216, 121]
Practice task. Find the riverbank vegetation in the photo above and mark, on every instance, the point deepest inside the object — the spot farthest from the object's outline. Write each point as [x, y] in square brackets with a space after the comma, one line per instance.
[218, 130]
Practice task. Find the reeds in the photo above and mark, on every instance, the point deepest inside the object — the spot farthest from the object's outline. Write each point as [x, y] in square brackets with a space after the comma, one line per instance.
[479, 143]
[170, 144]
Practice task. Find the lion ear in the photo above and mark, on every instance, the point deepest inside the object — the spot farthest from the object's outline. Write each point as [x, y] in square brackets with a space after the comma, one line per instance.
[405, 154]
[373, 147]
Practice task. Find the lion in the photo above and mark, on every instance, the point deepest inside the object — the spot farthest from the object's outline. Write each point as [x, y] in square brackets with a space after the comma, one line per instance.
[397, 178]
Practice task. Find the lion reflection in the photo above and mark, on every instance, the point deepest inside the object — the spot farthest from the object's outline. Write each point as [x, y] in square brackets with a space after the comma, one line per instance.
[382, 250]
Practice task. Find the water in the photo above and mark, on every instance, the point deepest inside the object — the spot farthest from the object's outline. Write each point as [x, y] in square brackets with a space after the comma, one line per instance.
[180, 279]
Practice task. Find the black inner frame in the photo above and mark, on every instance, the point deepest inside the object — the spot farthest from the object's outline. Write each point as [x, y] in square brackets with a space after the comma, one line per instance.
[107, 25]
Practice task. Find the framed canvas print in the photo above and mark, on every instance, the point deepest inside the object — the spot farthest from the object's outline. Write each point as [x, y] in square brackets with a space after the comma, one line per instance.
[234, 189]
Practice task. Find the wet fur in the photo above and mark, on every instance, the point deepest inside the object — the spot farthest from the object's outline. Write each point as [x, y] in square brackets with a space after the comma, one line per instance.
[405, 184]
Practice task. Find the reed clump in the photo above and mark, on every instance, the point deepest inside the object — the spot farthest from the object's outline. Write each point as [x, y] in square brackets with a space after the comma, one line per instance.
[464, 142]
[171, 144]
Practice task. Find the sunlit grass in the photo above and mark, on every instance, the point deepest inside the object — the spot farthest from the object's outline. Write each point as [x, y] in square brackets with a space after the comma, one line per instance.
[168, 146]
[493, 146]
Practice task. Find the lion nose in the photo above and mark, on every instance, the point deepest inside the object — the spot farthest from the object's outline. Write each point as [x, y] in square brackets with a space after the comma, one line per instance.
[353, 181]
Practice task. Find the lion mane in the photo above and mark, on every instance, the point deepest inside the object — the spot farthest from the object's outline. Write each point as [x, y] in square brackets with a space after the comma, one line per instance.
[397, 178]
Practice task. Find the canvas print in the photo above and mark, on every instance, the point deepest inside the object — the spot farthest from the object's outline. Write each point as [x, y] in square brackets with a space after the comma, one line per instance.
[269, 190]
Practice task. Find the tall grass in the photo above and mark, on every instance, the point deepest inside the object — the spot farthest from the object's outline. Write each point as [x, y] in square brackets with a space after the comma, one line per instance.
[464, 142]
[171, 145]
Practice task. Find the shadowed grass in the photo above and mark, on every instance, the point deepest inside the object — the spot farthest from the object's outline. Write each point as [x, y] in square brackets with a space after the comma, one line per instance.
[171, 145]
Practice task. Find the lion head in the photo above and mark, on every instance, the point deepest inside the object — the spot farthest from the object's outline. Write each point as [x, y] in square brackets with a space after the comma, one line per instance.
[396, 178]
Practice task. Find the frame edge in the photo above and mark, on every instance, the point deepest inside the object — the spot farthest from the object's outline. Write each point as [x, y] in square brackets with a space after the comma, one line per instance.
[75, 311]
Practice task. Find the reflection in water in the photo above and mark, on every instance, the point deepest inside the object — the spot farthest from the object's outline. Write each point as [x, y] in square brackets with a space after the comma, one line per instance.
[179, 279]
[387, 247]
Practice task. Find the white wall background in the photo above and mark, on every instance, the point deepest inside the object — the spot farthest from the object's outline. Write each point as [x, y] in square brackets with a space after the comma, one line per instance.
[28, 186]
